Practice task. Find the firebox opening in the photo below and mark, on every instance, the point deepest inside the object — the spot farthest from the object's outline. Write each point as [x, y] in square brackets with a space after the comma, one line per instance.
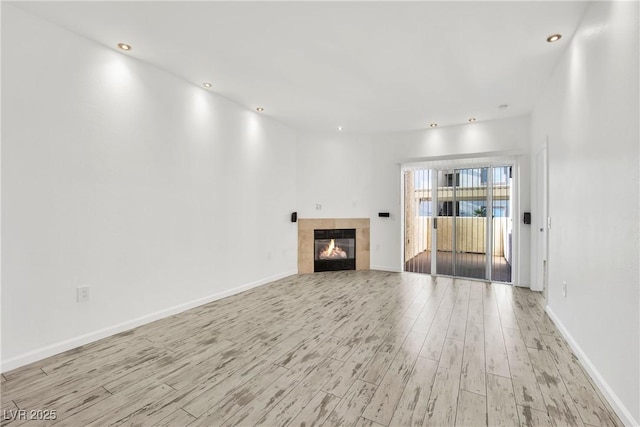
[334, 249]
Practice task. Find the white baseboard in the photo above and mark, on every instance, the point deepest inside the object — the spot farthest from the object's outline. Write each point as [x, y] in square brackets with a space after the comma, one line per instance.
[59, 347]
[609, 394]
[385, 268]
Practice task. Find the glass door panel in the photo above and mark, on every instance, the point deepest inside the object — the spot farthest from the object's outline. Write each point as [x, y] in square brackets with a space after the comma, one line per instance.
[471, 224]
[418, 221]
[447, 208]
[502, 252]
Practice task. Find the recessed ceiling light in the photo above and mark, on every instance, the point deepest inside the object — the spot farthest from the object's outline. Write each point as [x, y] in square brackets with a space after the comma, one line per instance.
[433, 125]
[339, 127]
[554, 38]
[503, 106]
[206, 84]
[472, 119]
[260, 109]
[124, 46]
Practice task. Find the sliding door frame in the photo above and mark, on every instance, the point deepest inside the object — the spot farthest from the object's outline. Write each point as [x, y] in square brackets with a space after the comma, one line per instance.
[489, 236]
[461, 163]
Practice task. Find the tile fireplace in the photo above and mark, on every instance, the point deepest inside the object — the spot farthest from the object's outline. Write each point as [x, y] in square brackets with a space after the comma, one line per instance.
[309, 254]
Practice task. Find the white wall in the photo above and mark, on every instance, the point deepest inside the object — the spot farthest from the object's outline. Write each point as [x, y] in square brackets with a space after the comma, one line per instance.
[589, 112]
[355, 175]
[153, 191]
[498, 137]
[334, 171]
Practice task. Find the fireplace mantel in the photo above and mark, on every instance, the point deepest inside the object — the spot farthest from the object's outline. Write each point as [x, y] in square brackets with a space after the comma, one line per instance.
[305, 240]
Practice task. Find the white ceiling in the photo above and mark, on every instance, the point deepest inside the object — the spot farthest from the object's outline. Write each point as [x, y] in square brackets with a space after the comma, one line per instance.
[366, 66]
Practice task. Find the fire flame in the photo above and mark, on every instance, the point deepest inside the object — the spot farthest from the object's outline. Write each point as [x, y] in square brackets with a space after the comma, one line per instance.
[332, 251]
[332, 246]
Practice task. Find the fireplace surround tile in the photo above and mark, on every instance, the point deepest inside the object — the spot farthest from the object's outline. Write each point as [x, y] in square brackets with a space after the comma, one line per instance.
[305, 240]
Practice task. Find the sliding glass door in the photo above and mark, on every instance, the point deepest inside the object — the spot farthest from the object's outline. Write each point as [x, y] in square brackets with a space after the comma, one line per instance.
[458, 222]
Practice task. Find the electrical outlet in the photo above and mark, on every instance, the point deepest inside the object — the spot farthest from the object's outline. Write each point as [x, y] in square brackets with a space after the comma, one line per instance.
[83, 293]
[564, 289]
[318, 206]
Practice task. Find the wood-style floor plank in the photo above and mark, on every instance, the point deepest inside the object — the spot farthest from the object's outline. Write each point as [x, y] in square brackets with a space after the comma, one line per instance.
[434, 342]
[476, 311]
[179, 417]
[472, 410]
[418, 303]
[489, 304]
[526, 313]
[300, 396]
[559, 404]
[71, 404]
[309, 361]
[351, 406]
[241, 395]
[458, 320]
[530, 333]
[317, 411]
[341, 381]
[364, 348]
[412, 406]
[532, 418]
[473, 363]
[525, 386]
[546, 325]
[118, 407]
[495, 350]
[504, 297]
[501, 403]
[377, 367]
[441, 409]
[363, 422]
[380, 408]
[8, 405]
[424, 320]
[592, 409]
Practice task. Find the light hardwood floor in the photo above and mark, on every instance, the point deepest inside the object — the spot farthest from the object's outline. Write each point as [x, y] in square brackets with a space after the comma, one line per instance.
[352, 348]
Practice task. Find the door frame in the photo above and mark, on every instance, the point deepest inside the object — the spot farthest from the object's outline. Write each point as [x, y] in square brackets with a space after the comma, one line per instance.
[465, 162]
[541, 221]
